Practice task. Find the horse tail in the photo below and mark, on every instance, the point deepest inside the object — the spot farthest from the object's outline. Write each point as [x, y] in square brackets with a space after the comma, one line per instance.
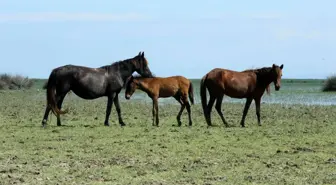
[203, 95]
[51, 94]
[191, 93]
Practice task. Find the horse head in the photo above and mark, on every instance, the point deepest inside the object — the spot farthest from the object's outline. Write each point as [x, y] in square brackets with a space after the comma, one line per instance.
[277, 74]
[141, 65]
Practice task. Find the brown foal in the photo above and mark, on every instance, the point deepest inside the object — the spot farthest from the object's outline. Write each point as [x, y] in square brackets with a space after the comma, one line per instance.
[178, 87]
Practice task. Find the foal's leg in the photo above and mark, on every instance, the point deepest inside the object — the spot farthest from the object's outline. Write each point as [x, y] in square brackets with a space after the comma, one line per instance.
[108, 109]
[257, 103]
[187, 104]
[246, 108]
[208, 115]
[219, 109]
[155, 112]
[117, 105]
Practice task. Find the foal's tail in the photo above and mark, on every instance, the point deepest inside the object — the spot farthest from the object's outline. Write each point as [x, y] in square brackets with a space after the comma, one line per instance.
[51, 94]
[203, 95]
[191, 93]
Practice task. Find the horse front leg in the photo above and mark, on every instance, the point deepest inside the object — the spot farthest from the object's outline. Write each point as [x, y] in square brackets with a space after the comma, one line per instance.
[257, 103]
[117, 105]
[155, 112]
[246, 108]
[108, 109]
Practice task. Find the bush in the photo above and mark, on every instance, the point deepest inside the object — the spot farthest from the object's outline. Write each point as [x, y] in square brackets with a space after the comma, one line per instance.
[330, 84]
[15, 82]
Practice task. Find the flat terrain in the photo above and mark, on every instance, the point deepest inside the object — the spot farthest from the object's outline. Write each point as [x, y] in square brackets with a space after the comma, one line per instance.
[295, 145]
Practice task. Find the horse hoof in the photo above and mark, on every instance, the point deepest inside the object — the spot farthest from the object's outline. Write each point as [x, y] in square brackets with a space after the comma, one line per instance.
[122, 124]
[107, 124]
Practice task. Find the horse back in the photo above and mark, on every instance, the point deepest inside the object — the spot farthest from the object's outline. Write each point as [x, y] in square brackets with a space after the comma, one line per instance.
[233, 83]
[169, 86]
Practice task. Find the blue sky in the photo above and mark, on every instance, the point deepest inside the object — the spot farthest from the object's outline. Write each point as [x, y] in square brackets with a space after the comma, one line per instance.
[186, 38]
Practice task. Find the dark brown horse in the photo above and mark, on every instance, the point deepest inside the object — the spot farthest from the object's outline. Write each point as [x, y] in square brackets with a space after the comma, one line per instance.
[176, 86]
[91, 83]
[249, 84]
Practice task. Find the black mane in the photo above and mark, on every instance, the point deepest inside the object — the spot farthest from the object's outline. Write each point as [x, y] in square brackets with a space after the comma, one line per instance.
[137, 76]
[117, 63]
[261, 71]
[264, 76]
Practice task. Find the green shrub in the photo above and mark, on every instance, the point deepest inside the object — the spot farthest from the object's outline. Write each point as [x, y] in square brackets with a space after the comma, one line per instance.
[15, 82]
[330, 84]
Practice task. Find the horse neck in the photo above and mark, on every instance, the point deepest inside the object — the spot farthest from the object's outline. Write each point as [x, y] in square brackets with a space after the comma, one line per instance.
[143, 85]
[264, 78]
[125, 67]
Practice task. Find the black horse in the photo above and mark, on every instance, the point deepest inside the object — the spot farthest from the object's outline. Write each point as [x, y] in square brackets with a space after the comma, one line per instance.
[92, 83]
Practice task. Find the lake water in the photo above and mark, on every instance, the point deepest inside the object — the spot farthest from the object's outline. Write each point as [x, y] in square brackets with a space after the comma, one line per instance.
[306, 92]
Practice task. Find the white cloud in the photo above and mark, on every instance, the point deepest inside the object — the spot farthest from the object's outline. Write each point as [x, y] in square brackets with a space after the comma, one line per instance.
[62, 16]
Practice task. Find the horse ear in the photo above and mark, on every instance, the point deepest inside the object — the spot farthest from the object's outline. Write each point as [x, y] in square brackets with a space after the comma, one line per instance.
[143, 54]
[281, 66]
[139, 53]
[273, 66]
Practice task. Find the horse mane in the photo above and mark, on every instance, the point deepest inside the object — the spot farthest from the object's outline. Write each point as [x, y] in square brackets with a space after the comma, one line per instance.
[137, 76]
[116, 63]
[261, 72]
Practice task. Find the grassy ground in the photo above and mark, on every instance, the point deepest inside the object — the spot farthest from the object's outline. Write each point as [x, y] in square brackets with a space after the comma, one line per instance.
[295, 145]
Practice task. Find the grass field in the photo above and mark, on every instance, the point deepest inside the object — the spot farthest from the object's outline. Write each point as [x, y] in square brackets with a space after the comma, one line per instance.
[295, 145]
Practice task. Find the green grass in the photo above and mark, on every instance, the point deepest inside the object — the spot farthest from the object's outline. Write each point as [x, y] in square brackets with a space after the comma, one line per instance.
[295, 145]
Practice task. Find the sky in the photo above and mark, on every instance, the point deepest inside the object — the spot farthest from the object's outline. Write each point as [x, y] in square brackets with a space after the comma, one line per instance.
[187, 38]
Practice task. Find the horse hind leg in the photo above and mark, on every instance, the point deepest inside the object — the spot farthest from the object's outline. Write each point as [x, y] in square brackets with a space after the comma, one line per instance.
[45, 117]
[209, 108]
[219, 109]
[178, 117]
[187, 105]
[60, 99]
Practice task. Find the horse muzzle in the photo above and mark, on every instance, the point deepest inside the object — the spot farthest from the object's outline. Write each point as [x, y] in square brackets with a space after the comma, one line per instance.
[277, 88]
[127, 96]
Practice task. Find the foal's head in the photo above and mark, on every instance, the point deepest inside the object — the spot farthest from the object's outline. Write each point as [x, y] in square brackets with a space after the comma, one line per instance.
[277, 74]
[141, 65]
[131, 86]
